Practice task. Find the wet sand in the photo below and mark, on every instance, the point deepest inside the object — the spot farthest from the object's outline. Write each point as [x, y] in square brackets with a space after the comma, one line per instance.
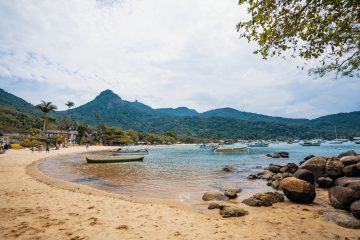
[34, 206]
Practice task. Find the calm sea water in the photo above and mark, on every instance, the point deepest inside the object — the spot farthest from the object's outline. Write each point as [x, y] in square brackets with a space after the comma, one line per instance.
[180, 172]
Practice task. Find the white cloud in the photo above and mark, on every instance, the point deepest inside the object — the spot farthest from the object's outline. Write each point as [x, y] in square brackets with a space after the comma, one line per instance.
[163, 53]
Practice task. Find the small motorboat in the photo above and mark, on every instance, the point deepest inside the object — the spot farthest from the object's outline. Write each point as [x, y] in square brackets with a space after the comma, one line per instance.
[209, 146]
[112, 159]
[311, 143]
[121, 151]
[229, 150]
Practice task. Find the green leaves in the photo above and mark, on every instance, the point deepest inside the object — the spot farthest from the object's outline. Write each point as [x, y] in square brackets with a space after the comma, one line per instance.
[327, 30]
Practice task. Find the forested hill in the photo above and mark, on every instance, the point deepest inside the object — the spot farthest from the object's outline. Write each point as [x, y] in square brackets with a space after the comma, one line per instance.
[108, 108]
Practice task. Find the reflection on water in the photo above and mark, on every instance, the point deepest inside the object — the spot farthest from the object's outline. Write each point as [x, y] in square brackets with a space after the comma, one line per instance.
[179, 172]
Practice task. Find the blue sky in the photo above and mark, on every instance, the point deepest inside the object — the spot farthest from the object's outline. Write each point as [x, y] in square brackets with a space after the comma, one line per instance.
[162, 53]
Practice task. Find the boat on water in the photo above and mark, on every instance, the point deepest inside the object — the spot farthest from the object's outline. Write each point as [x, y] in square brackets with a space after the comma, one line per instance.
[357, 142]
[106, 159]
[310, 143]
[121, 151]
[209, 146]
[258, 144]
[229, 150]
[336, 141]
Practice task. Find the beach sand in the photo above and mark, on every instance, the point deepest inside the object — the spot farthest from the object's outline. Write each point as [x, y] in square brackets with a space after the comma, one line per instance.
[34, 206]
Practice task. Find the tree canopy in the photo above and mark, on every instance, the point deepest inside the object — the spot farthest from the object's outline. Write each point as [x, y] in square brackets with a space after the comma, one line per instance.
[325, 30]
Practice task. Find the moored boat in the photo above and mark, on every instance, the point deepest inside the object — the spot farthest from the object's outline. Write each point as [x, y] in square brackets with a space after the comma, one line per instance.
[258, 144]
[238, 149]
[310, 143]
[209, 146]
[112, 159]
[121, 151]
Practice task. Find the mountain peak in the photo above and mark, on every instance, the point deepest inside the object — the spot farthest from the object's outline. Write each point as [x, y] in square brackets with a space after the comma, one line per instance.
[108, 94]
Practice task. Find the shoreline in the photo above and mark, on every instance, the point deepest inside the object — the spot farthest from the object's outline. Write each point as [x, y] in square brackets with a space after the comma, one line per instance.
[32, 209]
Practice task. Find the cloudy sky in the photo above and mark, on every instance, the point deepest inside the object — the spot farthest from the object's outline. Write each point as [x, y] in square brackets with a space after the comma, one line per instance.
[160, 52]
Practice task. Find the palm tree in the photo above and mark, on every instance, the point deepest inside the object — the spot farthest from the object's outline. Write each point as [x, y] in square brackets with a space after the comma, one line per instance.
[69, 104]
[46, 107]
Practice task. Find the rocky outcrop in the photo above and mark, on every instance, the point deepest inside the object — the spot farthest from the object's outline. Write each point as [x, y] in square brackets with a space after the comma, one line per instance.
[352, 170]
[316, 165]
[341, 218]
[355, 209]
[214, 206]
[333, 167]
[267, 175]
[274, 168]
[264, 199]
[252, 177]
[297, 190]
[305, 175]
[289, 168]
[232, 211]
[325, 182]
[342, 197]
[217, 196]
[345, 181]
[348, 153]
[278, 155]
[350, 160]
[231, 193]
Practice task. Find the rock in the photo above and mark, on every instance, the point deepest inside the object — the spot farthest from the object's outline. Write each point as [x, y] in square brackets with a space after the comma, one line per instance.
[229, 168]
[289, 168]
[342, 197]
[350, 160]
[283, 154]
[348, 153]
[297, 190]
[325, 182]
[278, 155]
[232, 211]
[354, 186]
[218, 196]
[316, 165]
[235, 189]
[305, 175]
[306, 158]
[252, 177]
[345, 181]
[352, 170]
[264, 199]
[266, 175]
[230, 193]
[333, 167]
[355, 209]
[214, 206]
[275, 184]
[341, 218]
[274, 168]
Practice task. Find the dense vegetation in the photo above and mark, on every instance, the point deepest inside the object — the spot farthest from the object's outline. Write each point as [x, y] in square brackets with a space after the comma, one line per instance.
[110, 110]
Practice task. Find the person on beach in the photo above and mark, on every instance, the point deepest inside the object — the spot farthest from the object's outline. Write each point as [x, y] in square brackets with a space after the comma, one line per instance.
[47, 148]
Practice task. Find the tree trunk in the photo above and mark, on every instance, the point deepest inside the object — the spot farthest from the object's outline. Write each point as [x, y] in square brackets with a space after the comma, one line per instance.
[44, 127]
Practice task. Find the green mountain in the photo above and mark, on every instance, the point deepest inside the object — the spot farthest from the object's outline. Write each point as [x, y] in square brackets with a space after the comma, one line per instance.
[180, 111]
[10, 101]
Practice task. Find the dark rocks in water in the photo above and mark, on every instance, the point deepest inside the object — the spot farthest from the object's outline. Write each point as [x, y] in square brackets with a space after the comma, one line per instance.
[267, 175]
[229, 168]
[350, 160]
[333, 167]
[342, 197]
[264, 199]
[235, 189]
[252, 177]
[355, 209]
[274, 168]
[297, 190]
[341, 218]
[316, 165]
[325, 182]
[348, 153]
[352, 170]
[214, 206]
[231, 193]
[278, 155]
[218, 196]
[345, 181]
[275, 184]
[305, 175]
[232, 211]
[289, 168]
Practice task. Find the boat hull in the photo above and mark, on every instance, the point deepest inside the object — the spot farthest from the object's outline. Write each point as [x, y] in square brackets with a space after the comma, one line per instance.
[113, 160]
[310, 144]
[229, 150]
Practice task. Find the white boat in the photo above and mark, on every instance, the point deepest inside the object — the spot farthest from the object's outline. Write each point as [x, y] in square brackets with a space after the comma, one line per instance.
[309, 143]
[121, 151]
[336, 141]
[258, 144]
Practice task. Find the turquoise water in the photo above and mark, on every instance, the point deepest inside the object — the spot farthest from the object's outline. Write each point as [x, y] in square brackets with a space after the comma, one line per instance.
[181, 172]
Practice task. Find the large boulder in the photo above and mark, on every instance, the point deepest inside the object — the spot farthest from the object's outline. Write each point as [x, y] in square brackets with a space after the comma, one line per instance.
[211, 196]
[306, 158]
[278, 155]
[264, 199]
[289, 168]
[348, 153]
[232, 211]
[333, 167]
[345, 181]
[355, 209]
[341, 218]
[342, 197]
[316, 165]
[350, 160]
[325, 182]
[297, 190]
[354, 186]
[305, 175]
[274, 168]
[352, 170]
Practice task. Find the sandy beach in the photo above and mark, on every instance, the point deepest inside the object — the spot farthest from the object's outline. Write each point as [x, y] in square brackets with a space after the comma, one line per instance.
[34, 206]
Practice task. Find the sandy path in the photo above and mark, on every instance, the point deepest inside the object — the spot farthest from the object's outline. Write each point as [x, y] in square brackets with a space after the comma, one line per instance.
[30, 209]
